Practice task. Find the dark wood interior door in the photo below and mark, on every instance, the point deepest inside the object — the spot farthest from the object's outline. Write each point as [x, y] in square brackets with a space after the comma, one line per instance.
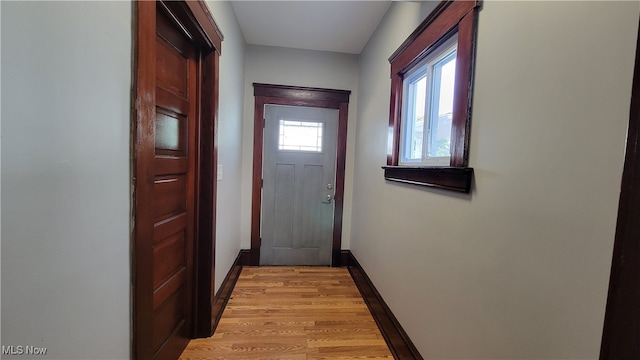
[173, 189]
[177, 48]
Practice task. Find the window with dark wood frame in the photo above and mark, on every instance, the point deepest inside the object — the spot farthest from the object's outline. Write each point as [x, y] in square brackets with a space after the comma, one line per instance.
[448, 18]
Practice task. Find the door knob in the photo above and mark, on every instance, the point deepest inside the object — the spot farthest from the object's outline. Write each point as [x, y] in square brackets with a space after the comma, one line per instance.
[328, 199]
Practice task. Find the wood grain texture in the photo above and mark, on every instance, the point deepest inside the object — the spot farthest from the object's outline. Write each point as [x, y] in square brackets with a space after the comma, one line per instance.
[447, 178]
[175, 75]
[142, 176]
[395, 114]
[206, 211]
[301, 93]
[207, 26]
[336, 247]
[293, 313]
[256, 187]
[198, 22]
[463, 90]
[174, 193]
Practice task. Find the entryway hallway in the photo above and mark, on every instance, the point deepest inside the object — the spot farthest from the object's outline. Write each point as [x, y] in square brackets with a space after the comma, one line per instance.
[293, 313]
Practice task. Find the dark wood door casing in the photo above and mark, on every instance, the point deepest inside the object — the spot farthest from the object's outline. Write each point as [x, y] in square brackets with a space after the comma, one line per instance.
[174, 120]
[298, 96]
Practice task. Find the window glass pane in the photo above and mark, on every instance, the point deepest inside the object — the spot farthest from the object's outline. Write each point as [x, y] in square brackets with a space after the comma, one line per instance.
[428, 108]
[415, 126]
[444, 72]
[300, 135]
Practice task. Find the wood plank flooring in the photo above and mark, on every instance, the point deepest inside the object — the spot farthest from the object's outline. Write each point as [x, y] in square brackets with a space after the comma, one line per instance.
[293, 313]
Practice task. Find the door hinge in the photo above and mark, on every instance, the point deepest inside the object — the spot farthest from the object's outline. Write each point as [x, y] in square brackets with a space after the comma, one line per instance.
[264, 123]
[260, 244]
[261, 183]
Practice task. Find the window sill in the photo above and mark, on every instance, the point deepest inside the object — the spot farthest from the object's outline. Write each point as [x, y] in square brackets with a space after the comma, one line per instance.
[447, 178]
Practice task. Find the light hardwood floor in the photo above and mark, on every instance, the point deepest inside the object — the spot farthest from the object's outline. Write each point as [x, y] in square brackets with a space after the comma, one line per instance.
[291, 313]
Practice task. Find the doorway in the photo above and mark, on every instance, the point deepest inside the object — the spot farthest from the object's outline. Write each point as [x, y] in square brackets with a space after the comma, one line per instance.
[176, 54]
[266, 97]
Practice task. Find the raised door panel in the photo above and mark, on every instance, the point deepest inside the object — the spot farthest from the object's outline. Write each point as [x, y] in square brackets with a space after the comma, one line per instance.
[173, 190]
[176, 62]
[299, 176]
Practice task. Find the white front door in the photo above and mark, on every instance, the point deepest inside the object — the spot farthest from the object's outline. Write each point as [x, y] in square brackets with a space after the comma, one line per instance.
[298, 185]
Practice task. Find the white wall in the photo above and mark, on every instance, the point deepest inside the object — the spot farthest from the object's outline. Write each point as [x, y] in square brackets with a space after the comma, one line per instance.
[519, 269]
[229, 138]
[284, 66]
[66, 78]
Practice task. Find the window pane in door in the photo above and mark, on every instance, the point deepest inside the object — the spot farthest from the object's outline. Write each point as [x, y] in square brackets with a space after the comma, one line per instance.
[300, 136]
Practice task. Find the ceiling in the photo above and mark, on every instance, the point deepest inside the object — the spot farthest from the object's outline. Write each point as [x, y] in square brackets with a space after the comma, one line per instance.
[339, 26]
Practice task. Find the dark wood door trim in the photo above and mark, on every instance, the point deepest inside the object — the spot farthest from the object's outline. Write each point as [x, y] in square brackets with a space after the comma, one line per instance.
[142, 175]
[196, 21]
[266, 94]
[621, 333]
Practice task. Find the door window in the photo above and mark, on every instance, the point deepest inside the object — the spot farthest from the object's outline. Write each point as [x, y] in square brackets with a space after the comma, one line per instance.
[300, 135]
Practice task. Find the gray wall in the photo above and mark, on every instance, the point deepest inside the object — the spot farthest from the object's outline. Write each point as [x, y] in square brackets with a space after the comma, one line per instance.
[229, 138]
[66, 77]
[284, 66]
[66, 73]
[519, 269]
